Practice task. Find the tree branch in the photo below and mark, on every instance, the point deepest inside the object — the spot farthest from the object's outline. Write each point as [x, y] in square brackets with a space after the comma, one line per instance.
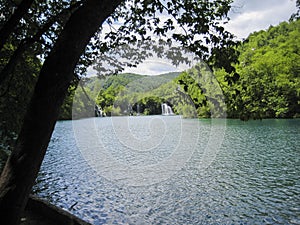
[9, 67]
[10, 25]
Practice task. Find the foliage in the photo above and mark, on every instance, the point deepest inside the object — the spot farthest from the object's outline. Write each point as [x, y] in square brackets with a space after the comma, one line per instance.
[14, 95]
[264, 83]
[130, 91]
[148, 106]
[296, 15]
[194, 24]
[269, 81]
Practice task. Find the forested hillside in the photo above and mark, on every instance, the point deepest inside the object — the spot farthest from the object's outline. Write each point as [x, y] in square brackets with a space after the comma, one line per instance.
[117, 95]
[269, 75]
[265, 83]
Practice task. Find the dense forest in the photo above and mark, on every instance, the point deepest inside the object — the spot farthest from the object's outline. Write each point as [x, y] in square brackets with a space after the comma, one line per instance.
[264, 83]
[268, 68]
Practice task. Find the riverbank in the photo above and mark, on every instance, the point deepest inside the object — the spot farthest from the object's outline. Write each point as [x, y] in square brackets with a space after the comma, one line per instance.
[40, 212]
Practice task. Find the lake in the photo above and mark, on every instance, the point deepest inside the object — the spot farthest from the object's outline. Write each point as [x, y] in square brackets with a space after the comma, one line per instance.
[169, 170]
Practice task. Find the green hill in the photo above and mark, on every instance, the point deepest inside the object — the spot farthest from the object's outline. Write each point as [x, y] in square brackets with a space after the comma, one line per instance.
[112, 93]
[269, 70]
[265, 83]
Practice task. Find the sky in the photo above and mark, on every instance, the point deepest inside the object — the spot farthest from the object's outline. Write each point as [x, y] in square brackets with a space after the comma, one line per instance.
[246, 16]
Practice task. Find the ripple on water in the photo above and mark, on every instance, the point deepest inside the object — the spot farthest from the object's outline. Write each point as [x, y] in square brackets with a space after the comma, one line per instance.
[253, 180]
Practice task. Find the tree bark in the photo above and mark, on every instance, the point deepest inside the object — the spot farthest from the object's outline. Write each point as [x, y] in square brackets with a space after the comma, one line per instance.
[24, 163]
[10, 25]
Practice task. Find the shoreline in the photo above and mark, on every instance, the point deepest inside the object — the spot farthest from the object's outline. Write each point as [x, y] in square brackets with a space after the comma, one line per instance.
[41, 212]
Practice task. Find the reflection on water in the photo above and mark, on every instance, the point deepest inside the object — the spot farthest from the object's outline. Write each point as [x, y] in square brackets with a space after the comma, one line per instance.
[254, 178]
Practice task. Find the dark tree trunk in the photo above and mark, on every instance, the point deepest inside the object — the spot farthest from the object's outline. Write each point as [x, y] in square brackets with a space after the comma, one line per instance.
[10, 25]
[24, 163]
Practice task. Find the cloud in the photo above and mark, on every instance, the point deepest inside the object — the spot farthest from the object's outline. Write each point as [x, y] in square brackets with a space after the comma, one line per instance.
[249, 16]
[246, 16]
[154, 67]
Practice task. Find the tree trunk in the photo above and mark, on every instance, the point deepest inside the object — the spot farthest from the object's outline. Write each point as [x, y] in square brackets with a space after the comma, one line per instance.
[24, 163]
[10, 25]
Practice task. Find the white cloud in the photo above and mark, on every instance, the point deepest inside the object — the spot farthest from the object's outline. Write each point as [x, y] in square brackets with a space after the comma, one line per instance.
[249, 16]
[154, 67]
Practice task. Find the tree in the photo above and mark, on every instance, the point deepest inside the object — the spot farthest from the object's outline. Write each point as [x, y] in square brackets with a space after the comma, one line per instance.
[14, 95]
[66, 49]
[269, 72]
[23, 164]
[296, 15]
[268, 68]
[10, 25]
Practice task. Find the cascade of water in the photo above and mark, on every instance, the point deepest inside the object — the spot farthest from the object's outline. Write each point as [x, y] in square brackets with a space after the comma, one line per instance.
[98, 111]
[166, 110]
[138, 109]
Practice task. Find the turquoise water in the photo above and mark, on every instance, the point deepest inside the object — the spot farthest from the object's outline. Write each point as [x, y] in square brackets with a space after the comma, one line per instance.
[166, 170]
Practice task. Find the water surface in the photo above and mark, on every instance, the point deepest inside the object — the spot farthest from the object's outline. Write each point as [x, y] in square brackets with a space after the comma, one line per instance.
[252, 178]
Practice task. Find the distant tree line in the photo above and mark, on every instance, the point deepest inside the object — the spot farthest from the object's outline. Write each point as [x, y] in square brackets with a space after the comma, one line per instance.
[259, 79]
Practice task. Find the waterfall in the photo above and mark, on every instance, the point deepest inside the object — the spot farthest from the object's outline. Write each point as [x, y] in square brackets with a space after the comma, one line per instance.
[138, 109]
[98, 111]
[166, 110]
